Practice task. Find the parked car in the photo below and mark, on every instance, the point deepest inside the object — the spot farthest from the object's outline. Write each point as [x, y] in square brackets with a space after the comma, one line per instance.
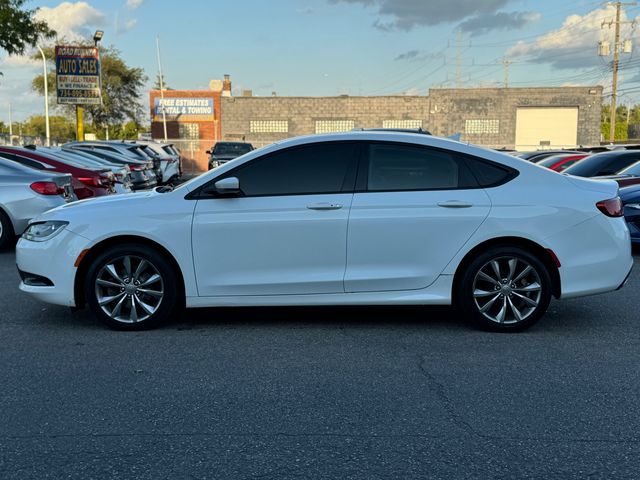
[429, 221]
[630, 197]
[222, 152]
[126, 149]
[538, 155]
[170, 163]
[561, 162]
[121, 173]
[605, 163]
[142, 173]
[26, 193]
[627, 176]
[87, 183]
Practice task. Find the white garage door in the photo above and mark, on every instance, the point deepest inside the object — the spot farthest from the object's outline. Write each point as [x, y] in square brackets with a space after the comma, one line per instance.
[546, 127]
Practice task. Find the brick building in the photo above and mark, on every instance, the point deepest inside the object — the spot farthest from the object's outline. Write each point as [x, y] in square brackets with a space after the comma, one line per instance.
[520, 118]
[523, 118]
[192, 120]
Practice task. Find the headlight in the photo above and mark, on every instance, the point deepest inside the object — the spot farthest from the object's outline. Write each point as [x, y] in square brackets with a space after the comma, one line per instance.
[42, 231]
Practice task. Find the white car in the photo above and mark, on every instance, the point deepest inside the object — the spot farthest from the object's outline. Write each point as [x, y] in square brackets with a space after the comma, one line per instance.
[356, 218]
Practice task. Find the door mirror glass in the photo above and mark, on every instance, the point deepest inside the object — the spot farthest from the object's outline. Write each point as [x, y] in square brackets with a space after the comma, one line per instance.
[228, 186]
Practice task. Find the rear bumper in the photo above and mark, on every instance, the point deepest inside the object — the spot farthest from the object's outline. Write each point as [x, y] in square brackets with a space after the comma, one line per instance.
[595, 256]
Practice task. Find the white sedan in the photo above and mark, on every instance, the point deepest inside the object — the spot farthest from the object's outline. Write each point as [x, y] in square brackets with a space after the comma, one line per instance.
[358, 218]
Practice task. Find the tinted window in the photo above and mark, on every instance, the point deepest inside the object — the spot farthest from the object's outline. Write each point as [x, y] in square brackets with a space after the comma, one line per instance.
[26, 161]
[318, 168]
[231, 149]
[603, 164]
[490, 174]
[632, 170]
[405, 167]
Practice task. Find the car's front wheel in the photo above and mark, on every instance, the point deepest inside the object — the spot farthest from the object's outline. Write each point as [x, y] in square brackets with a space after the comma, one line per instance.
[505, 289]
[131, 287]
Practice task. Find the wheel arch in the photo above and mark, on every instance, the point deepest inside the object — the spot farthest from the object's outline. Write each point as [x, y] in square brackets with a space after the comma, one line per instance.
[544, 255]
[100, 247]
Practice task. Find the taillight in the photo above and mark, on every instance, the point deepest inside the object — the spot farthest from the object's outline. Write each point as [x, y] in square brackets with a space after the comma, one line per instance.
[47, 188]
[612, 207]
[91, 181]
[136, 168]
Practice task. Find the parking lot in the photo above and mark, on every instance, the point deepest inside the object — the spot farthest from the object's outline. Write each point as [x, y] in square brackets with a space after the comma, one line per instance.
[319, 393]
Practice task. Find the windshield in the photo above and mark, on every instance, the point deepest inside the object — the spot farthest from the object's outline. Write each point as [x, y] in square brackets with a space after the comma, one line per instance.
[231, 149]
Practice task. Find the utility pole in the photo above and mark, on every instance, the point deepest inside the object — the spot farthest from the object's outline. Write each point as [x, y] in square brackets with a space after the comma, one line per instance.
[458, 59]
[616, 62]
[10, 125]
[164, 115]
[506, 64]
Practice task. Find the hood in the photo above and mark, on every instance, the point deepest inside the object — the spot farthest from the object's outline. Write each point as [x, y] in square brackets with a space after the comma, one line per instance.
[107, 201]
[224, 157]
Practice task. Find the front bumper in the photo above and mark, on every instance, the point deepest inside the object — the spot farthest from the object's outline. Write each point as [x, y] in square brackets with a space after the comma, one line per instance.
[53, 260]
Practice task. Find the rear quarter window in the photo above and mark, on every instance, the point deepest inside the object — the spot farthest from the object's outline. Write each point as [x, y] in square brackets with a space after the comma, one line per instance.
[490, 174]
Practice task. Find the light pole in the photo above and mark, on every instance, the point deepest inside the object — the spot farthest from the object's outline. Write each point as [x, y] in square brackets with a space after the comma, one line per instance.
[96, 39]
[46, 97]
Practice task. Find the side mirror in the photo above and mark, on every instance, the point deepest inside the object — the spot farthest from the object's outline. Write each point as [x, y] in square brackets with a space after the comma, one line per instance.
[227, 186]
[208, 152]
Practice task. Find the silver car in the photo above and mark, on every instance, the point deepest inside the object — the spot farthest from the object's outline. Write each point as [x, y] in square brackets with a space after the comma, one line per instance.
[26, 193]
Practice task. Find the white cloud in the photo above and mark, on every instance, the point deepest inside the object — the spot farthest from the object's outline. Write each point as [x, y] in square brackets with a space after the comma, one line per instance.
[133, 4]
[574, 44]
[128, 25]
[19, 61]
[72, 21]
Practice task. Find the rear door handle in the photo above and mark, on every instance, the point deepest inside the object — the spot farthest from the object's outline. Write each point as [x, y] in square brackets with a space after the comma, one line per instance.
[324, 206]
[455, 204]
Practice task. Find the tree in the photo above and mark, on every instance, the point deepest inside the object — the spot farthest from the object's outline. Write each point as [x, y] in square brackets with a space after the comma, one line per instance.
[156, 85]
[121, 89]
[61, 127]
[18, 27]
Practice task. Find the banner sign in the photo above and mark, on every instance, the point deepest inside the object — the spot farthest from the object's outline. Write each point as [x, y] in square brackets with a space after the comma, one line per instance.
[78, 75]
[183, 108]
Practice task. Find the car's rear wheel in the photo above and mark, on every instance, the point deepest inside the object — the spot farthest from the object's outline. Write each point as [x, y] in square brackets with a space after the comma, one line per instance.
[6, 230]
[505, 289]
[131, 287]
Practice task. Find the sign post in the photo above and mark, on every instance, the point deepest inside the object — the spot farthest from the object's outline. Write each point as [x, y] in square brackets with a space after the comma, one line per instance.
[78, 80]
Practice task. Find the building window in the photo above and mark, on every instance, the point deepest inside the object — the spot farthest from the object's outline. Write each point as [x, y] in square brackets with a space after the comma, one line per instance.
[478, 127]
[189, 131]
[402, 124]
[269, 126]
[331, 126]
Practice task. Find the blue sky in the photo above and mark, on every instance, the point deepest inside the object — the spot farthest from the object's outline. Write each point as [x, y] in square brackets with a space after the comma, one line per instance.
[331, 47]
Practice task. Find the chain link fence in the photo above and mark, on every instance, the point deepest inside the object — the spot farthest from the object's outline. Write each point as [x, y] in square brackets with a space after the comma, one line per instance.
[21, 140]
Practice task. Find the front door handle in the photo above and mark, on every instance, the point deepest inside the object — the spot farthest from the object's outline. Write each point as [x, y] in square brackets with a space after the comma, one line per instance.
[324, 206]
[455, 204]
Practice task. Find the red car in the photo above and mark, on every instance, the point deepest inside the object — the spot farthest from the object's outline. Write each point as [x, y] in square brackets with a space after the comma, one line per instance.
[561, 161]
[86, 182]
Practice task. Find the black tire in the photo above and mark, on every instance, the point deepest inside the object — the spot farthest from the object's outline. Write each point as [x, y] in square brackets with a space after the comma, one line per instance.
[148, 314]
[7, 235]
[476, 291]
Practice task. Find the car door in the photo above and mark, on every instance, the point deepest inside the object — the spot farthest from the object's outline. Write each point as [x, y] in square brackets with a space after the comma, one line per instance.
[286, 232]
[414, 208]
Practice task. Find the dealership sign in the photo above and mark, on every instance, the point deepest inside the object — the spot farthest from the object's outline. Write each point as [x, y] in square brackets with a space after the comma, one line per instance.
[182, 108]
[78, 75]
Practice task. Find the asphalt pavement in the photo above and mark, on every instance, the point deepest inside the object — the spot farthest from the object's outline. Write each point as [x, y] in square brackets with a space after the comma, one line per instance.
[319, 393]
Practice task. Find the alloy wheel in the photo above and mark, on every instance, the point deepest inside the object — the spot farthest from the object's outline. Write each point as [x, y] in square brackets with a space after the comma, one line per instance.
[129, 289]
[507, 290]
